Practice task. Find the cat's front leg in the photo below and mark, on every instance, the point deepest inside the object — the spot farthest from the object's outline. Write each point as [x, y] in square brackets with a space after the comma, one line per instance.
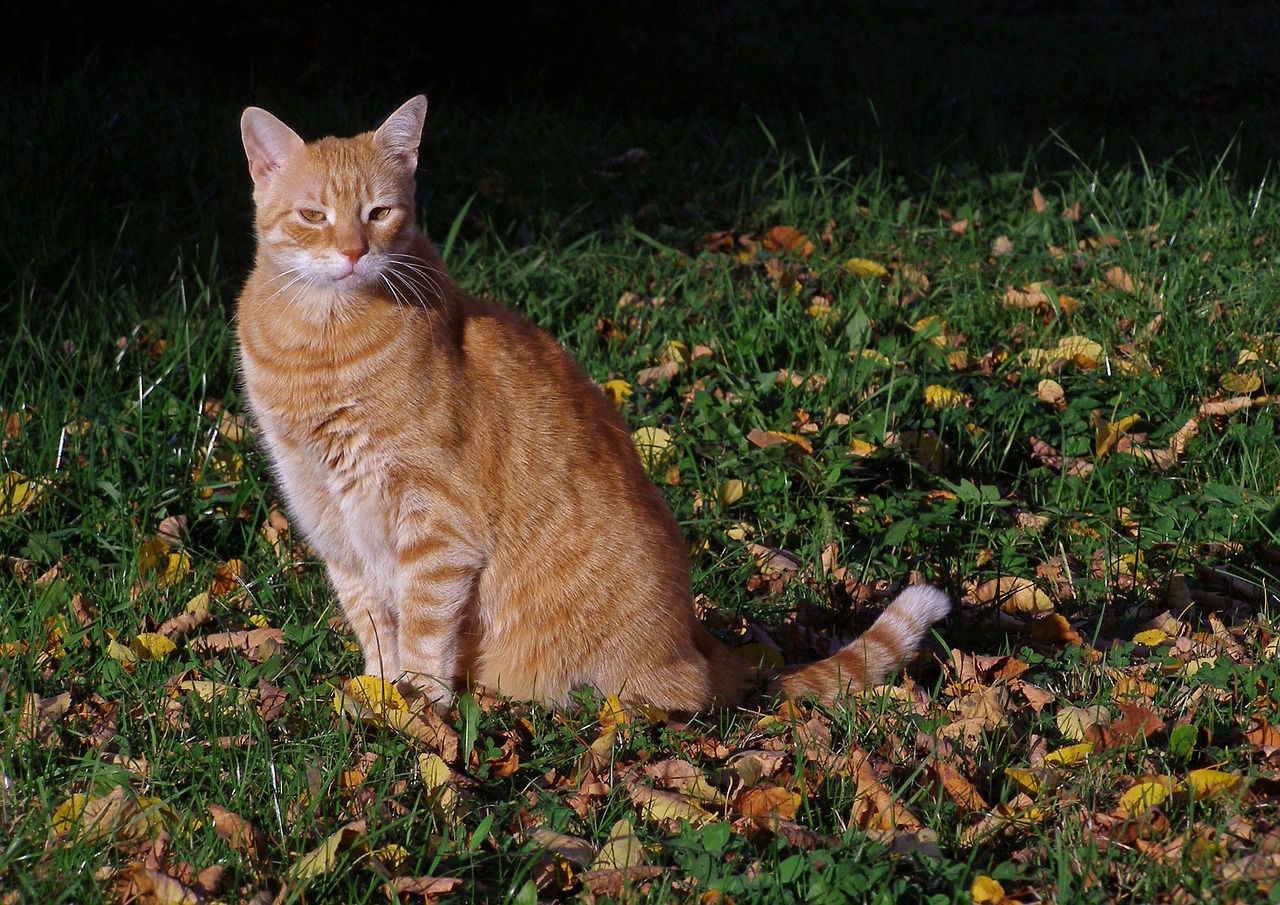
[437, 576]
[371, 613]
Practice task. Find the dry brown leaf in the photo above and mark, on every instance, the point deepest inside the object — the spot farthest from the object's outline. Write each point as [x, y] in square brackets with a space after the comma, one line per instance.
[256, 644]
[956, 786]
[874, 807]
[239, 833]
[1031, 296]
[775, 801]
[665, 371]
[1135, 724]
[764, 439]
[428, 888]
[1013, 595]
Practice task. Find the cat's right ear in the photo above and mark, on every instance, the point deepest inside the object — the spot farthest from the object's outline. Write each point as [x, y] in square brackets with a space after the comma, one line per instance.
[268, 143]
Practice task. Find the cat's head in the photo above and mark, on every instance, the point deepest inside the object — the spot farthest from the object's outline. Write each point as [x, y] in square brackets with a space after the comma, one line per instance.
[339, 212]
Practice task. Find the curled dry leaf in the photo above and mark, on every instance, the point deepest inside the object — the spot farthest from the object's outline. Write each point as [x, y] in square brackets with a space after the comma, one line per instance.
[765, 439]
[665, 371]
[257, 644]
[1014, 595]
[1051, 393]
[572, 848]
[239, 833]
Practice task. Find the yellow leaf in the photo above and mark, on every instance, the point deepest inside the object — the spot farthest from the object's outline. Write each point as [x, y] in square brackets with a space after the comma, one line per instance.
[621, 850]
[1106, 434]
[676, 351]
[67, 815]
[1053, 628]
[1143, 795]
[1151, 637]
[392, 857]
[198, 602]
[18, 492]
[653, 444]
[617, 390]
[940, 397]
[153, 552]
[1241, 384]
[323, 859]
[1069, 756]
[731, 490]
[121, 653]
[259, 620]
[1029, 781]
[614, 716]
[986, 891]
[368, 697]
[1080, 349]
[861, 448]
[650, 714]
[934, 327]
[866, 269]
[1207, 782]
[925, 447]
[664, 806]
[152, 646]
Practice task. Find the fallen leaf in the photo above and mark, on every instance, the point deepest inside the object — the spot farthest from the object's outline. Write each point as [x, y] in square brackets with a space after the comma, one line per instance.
[774, 801]
[1052, 394]
[764, 439]
[940, 397]
[621, 850]
[325, 858]
[865, 268]
[1013, 595]
[1142, 795]
[1069, 756]
[986, 891]
[653, 444]
[152, 646]
[665, 371]
[1206, 783]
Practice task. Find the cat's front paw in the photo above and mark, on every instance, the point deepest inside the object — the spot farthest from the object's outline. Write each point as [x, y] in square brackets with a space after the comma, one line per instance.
[426, 695]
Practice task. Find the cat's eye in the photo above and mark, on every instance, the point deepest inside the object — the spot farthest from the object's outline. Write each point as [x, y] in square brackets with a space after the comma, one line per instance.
[379, 213]
[311, 215]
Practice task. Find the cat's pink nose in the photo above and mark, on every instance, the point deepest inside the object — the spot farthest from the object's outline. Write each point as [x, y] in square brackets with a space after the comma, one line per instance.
[352, 254]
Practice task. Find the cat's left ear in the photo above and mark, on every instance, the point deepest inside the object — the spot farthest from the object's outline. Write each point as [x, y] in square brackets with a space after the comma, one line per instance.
[268, 143]
[402, 132]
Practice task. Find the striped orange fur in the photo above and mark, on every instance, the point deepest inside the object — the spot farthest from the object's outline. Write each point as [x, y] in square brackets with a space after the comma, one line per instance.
[478, 503]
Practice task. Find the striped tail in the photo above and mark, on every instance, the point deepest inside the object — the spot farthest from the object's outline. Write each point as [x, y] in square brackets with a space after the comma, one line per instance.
[866, 661]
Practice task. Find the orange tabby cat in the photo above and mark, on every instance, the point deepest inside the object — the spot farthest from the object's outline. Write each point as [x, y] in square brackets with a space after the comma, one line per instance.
[477, 500]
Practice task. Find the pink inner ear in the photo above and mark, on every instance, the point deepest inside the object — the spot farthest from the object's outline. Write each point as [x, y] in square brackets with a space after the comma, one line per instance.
[268, 143]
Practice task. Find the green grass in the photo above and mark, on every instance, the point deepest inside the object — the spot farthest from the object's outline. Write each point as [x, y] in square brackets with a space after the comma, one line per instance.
[120, 362]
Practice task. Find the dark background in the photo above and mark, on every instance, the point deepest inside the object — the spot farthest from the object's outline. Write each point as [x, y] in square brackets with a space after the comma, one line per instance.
[137, 103]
